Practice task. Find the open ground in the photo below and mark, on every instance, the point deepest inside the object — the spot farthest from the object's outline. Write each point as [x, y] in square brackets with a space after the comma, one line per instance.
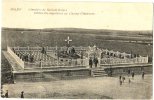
[89, 88]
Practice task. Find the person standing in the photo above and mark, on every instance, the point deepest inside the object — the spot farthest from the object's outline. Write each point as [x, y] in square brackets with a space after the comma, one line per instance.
[95, 62]
[129, 80]
[123, 79]
[120, 82]
[120, 77]
[143, 75]
[12, 78]
[22, 94]
[133, 74]
[90, 63]
[6, 94]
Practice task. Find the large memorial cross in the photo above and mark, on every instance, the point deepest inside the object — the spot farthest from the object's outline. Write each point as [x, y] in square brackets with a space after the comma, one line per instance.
[68, 40]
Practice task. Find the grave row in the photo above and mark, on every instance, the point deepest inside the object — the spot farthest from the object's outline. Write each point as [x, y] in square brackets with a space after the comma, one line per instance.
[33, 56]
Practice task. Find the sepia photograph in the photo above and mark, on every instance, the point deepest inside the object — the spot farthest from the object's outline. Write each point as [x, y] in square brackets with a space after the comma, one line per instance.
[76, 50]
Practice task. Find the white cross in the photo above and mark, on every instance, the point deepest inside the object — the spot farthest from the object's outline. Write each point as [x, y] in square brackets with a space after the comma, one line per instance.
[68, 40]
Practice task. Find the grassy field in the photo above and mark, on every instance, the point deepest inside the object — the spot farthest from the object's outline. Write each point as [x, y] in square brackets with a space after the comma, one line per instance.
[80, 37]
[90, 88]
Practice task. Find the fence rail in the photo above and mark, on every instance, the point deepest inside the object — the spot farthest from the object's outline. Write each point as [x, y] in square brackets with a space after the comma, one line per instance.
[19, 61]
[48, 48]
[136, 60]
[73, 63]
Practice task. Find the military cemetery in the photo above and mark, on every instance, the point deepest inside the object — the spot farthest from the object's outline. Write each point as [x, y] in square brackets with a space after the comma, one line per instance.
[67, 62]
[76, 50]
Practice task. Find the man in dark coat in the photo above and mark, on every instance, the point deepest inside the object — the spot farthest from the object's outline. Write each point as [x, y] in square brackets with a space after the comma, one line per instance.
[43, 50]
[32, 58]
[6, 94]
[133, 74]
[95, 62]
[120, 77]
[143, 75]
[90, 63]
[22, 94]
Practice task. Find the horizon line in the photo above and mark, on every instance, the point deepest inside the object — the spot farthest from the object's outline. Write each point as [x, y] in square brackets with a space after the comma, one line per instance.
[73, 28]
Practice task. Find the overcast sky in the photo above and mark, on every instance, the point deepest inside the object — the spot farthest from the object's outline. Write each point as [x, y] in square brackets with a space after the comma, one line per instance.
[117, 16]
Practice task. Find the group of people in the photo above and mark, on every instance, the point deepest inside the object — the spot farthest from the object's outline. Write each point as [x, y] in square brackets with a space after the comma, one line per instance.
[7, 94]
[122, 78]
[93, 61]
[24, 57]
[28, 58]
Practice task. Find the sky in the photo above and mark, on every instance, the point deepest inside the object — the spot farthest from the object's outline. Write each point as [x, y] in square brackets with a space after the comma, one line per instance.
[101, 15]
